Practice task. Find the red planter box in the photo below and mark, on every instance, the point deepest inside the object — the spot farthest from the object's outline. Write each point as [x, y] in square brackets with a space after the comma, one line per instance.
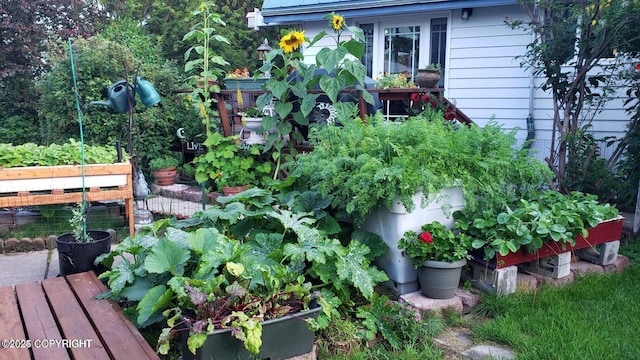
[606, 231]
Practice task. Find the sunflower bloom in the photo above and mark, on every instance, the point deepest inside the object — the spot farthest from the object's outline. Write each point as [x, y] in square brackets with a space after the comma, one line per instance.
[337, 22]
[292, 41]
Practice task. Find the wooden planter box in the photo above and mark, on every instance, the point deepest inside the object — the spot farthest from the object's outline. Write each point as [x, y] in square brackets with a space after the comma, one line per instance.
[399, 94]
[43, 185]
[606, 231]
[244, 84]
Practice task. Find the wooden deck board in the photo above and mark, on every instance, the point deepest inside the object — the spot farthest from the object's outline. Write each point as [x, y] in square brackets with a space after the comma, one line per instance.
[11, 328]
[73, 324]
[113, 327]
[39, 321]
[62, 319]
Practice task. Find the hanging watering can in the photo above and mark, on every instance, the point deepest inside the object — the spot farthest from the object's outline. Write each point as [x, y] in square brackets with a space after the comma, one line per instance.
[147, 92]
[118, 100]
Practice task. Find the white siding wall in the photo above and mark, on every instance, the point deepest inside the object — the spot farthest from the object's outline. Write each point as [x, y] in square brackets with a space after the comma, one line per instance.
[311, 29]
[486, 81]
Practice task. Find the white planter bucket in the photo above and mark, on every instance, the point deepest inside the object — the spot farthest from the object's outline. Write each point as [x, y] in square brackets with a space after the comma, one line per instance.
[391, 225]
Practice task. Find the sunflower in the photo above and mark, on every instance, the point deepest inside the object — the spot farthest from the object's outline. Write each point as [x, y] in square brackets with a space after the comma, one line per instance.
[292, 41]
[337, 22]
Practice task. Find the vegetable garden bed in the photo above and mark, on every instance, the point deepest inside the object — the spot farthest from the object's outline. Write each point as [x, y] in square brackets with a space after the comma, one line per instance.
[604, 232]
[43, 185]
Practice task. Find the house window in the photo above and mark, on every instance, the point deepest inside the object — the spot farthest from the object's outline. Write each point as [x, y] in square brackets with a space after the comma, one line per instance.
[401, 48]
[439, 45]
[367, 58]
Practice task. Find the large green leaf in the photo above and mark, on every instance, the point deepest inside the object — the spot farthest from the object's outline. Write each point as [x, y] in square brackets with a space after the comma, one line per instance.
[331, 85]
[330, 58]
[120, 276]
[312, 247]
[200, 241]
[355, 47]
[350, 267]
[225, 250]
[156, 300]
[375, 243]
[137, 290]
[264, 245]
[167, 256]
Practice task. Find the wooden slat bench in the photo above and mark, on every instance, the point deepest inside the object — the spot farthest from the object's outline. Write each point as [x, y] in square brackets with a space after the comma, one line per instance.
[61, 319]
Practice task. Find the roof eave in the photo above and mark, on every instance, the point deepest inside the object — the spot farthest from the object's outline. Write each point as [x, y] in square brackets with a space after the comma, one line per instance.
[368, 8]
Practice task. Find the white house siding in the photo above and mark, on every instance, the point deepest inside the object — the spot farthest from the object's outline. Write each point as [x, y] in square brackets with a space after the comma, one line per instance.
[484, 78]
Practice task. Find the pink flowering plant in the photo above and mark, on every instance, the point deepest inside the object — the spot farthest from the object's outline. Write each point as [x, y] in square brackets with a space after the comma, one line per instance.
[435, 242]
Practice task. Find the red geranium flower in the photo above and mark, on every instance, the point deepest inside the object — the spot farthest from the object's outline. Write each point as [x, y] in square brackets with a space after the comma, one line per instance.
[414, 97]
[425, 237]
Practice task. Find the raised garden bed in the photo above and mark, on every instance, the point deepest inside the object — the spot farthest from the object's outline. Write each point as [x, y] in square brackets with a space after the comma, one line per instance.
[43, 185]
[604, 232]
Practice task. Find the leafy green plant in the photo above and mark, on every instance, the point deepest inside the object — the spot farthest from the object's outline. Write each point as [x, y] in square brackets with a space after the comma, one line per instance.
[256, 244]
[78, 222]
[394, 81]
[99, 62]
[292, 79]
[253, 112]
[533, 221]
[229, 162]
[435, 242]
[366, 165]
[433, 67]
[251, 287]
[206, 68]
[68, 153]
[163, 163]
[568, 51]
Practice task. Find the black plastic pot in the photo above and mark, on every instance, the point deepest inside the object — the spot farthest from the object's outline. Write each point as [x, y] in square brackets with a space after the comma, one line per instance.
[282, 338]
[77, 257]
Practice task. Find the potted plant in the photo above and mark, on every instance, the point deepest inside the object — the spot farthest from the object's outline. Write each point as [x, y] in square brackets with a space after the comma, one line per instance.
[539, 225]
[250, 309]
[252, 122]
[439, 255]
[231, 165]
[428, 76]
[394, 81]
[164, 170]
[78, 250]
[241, 79]
[390, 178]
[232, 271]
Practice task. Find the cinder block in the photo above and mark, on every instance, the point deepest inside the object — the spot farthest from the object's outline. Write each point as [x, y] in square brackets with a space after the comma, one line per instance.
[607, 255]
[555, 266]
[500, 281]
[609, 252]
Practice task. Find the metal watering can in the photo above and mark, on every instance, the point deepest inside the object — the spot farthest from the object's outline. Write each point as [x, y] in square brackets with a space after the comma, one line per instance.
[147, 92]
[118, 100]
[118, 95]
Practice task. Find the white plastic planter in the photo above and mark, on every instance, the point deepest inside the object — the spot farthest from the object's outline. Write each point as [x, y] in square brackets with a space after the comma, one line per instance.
[391, 224]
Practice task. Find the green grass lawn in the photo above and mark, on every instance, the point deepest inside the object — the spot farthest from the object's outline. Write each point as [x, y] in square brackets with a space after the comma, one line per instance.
[596, 317]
